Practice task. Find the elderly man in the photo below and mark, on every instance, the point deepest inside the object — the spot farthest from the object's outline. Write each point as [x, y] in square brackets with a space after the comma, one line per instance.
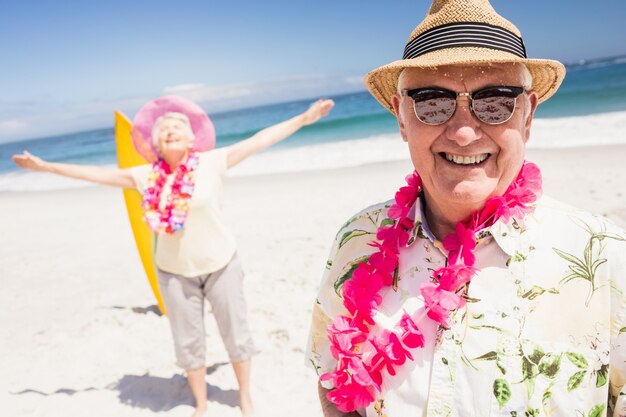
[469, 294]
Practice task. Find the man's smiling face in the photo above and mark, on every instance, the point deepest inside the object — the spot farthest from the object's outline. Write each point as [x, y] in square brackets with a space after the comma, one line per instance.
[465, 161]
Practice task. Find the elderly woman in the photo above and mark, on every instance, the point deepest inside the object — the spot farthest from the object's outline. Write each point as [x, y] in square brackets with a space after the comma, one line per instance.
[195, 254]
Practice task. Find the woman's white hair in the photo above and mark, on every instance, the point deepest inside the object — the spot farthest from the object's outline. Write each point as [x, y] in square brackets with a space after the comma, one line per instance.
[172, 115]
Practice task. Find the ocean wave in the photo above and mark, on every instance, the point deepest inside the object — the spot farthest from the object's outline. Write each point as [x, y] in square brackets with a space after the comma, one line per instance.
[354, 152]
[577, 131]
[597, 63]
[565, 132]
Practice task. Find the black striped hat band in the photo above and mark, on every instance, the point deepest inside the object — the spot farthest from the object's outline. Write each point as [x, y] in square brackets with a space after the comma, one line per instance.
[464, 34]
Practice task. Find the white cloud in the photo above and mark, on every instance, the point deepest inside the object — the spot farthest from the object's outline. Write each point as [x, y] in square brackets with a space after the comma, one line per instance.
[182, 88]
[203, 93]
[50, 117]
[54, 118]
[12, 126]
[233, 96]
[355, 80]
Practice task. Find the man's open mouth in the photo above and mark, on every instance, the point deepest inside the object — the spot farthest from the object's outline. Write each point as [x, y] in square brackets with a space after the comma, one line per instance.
[465, 159]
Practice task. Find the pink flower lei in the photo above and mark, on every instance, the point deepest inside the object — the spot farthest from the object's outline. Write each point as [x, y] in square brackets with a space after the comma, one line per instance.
[172, 217]
[362, 359]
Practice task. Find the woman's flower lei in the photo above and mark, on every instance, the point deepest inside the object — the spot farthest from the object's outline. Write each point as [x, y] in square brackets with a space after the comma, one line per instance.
[172, 217]
[363, 359]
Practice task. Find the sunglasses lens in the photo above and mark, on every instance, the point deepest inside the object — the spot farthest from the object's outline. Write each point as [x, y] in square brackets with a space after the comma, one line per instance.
[494, 105]
[491, 105]
[434, 107]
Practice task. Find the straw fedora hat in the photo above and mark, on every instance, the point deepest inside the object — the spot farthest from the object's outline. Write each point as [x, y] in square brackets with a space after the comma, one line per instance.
[464, 32]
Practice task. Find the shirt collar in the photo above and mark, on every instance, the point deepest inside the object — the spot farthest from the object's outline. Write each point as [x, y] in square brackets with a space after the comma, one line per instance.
[515, 238]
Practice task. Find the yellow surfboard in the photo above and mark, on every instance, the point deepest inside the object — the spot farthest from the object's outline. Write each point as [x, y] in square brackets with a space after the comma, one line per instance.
[127, 157]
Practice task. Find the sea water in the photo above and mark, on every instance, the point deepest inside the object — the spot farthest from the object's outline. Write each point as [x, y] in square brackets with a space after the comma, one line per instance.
[588, 110]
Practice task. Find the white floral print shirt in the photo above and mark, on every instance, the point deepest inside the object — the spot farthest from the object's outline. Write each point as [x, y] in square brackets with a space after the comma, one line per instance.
[543, 332]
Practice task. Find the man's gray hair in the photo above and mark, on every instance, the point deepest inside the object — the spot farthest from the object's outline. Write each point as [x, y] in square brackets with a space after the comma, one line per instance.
[527, 83]
[172, 115]
[527, 78]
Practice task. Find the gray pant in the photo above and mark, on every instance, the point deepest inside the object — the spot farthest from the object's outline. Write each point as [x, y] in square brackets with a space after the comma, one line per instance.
[184, 303]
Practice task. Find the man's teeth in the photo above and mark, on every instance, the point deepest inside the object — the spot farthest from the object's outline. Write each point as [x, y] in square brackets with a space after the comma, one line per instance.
[466, 160]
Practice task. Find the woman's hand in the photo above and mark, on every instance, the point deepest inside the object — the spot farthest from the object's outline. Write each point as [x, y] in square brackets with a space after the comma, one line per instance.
[122, 178]
[316, 111]
[29, 161]
[274, 134]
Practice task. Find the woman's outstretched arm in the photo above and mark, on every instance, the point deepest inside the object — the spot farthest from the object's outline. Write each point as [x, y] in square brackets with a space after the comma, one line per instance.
[275, 133]
[108, 176]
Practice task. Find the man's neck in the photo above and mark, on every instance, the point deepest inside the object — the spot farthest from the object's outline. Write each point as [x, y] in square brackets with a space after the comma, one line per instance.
[442, 217]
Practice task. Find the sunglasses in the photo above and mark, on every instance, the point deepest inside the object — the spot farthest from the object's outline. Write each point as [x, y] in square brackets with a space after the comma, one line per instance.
[490, 105]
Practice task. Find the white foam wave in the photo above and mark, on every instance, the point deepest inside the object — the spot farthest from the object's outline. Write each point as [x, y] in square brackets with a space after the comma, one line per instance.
[38, 181]
[576, 131]
[583, 64]
[565, 132]
[387, 147]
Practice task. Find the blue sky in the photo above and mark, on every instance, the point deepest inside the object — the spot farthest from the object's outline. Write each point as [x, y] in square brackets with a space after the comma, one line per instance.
[67, 65]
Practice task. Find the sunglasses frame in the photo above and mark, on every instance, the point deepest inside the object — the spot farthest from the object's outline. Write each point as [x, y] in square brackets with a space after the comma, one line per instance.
[516, 91]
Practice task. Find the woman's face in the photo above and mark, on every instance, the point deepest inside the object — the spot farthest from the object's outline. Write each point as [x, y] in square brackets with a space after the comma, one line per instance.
[173, 140]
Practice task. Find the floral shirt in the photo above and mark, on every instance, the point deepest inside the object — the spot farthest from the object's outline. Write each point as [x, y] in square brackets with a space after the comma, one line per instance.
[543, 332]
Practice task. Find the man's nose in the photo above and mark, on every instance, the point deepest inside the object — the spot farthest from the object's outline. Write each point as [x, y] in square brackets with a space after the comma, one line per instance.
[463, 127]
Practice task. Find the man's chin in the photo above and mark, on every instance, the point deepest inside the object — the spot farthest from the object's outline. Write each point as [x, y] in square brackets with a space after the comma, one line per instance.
[471, 193]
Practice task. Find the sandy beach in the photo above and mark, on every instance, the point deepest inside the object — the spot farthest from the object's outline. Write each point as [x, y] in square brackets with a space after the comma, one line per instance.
[79, 326]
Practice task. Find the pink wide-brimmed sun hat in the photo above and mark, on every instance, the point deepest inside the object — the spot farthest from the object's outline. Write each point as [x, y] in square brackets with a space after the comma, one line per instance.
[201, 125]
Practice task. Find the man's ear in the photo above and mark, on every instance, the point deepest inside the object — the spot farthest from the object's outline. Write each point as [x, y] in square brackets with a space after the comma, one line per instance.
[395, 102]
[532, 102]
